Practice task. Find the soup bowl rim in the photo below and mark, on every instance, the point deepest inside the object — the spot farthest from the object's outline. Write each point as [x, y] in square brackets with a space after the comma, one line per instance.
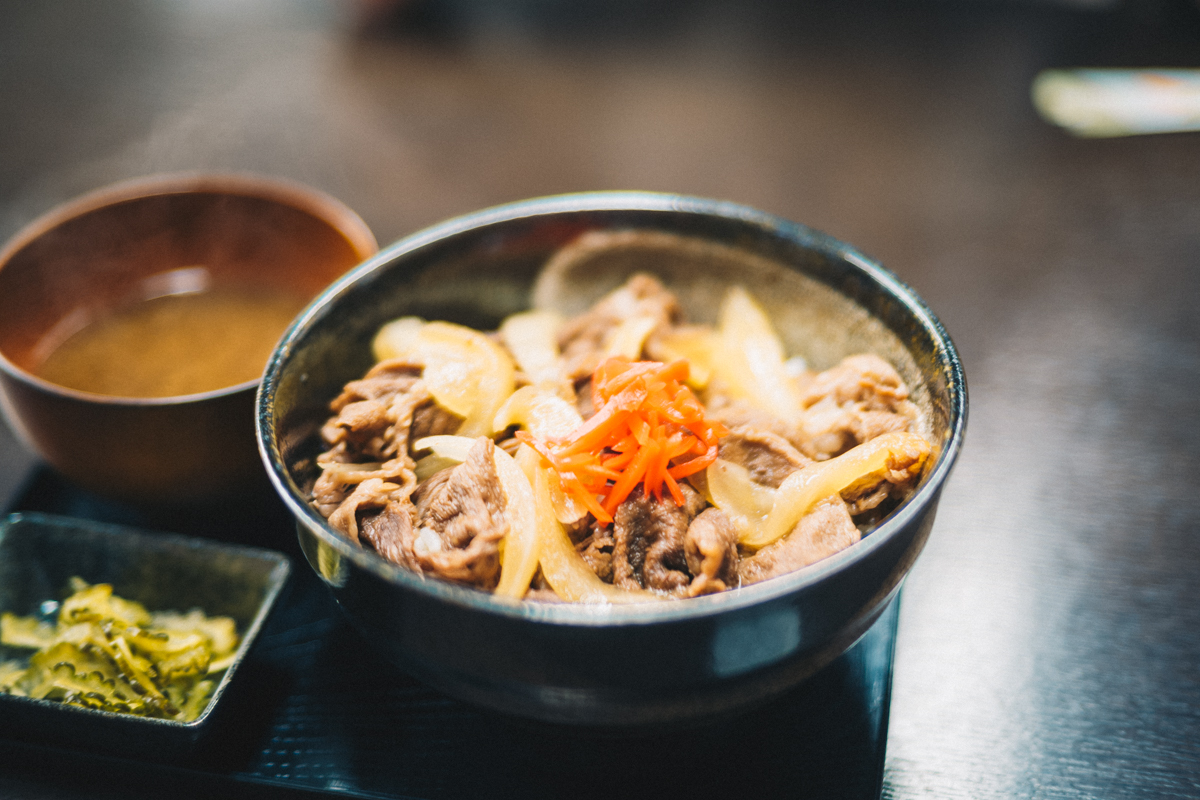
[283, 191]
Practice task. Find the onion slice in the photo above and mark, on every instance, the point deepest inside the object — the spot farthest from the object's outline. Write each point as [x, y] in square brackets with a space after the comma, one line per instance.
[751, 357]
[629, 338]
[804, 488]
[532, 338]
[698, 345]
[564, 569]
[745, 502]
[540, 410]
[465, 371]
[521, 543]
[519, 560]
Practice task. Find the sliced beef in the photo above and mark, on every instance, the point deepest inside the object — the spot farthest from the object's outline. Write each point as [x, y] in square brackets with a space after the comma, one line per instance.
[582, 339]
[432, 485]
[829, 528]
[367, 497]
[363, 414]
[339, 481]
[859, 399]
[377, 417]
[361, 426]
[461, 520]
[391, 532]
[767, 456]
[649, 541]
[823, 531]
[583, 397]
[872, 498]
[860, 500]
[331, 490]
[596, 549]
[736, 414]
[710, 547]
[510, 445]
[865, 379]
[430, 419]
[382, 382]
[375, 421]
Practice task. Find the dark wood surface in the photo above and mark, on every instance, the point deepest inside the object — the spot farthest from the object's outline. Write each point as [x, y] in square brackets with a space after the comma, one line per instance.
[1049, 638]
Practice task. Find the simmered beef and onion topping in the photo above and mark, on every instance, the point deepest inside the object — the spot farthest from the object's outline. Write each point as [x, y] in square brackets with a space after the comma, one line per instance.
[622, 455]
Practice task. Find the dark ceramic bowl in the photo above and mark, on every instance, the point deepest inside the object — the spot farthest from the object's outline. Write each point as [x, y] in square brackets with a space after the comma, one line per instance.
[627, 665]
[40, 553]
[164, 234]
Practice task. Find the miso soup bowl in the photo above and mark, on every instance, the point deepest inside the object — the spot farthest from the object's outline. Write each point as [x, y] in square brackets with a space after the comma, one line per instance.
[164, 234]
[630, 665]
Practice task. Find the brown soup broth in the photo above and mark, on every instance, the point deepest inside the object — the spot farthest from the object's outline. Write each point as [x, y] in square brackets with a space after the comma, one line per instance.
[174, 345]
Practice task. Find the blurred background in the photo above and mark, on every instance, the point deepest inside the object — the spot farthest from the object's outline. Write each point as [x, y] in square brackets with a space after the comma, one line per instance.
[1047, 641]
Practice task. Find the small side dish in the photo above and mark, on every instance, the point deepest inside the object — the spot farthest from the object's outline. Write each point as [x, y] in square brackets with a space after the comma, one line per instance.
[125, 641]
[618, 455]
[108, 653]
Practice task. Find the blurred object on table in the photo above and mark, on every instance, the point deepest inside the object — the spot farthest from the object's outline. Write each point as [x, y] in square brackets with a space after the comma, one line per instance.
[1119, 102]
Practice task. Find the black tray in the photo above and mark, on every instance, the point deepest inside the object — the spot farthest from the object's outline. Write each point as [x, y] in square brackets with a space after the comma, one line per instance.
[319, 711]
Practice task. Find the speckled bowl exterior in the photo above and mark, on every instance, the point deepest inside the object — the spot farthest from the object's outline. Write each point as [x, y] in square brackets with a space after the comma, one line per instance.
[647, 664]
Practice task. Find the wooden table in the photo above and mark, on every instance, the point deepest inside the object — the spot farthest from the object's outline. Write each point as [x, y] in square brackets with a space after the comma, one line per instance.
[1049, 637]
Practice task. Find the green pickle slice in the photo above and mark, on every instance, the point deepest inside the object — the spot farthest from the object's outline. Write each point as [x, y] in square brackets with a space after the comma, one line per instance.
[111, 654]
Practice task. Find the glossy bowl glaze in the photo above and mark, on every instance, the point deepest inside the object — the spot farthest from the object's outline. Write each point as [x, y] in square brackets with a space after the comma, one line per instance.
[100, 252]
[614, 665]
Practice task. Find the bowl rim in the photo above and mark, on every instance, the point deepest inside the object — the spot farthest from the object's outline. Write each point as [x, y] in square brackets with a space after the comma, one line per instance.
[284, 191]
[589, 615]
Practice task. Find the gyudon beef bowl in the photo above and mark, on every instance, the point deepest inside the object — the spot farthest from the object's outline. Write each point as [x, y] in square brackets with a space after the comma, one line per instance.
[613, 458]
